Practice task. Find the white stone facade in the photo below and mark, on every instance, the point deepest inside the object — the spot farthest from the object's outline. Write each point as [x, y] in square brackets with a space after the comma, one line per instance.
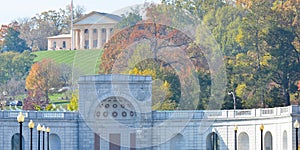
[91, 31]
[60, 42]
[115, 114]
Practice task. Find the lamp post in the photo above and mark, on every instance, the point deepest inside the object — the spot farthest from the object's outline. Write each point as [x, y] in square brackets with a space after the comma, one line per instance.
[39, 128]
[48, 131]
[296, 126]
[43, 129]
[234, 102]
[235, 137]
[21, 119]
[31, 126]
[261, 136]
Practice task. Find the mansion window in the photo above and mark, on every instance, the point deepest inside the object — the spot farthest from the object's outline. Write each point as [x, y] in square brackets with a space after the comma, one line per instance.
[94, 30]
[54, 45]
[64, 44]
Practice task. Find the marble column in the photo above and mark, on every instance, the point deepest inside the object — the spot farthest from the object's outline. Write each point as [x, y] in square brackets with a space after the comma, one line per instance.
[82, 39]
[99, 38]
[75, 39]
[78, 39]
[107, 34]
[90, 38]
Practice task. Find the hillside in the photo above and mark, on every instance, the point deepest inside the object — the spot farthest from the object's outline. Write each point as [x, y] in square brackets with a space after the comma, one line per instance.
[83, 61]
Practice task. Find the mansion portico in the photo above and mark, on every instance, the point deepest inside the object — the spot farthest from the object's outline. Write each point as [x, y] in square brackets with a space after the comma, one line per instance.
[91, 31]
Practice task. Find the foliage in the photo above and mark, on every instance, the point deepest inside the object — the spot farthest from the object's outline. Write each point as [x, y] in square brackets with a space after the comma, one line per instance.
[14, 69]
[73, 106]
[161, 94]
[12, 42]
[42, 77]
[50, 107]
[35, 30]
[129, 19]
[260, 41]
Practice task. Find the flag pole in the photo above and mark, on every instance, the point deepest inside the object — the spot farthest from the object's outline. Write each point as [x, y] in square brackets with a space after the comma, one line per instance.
[72, 32]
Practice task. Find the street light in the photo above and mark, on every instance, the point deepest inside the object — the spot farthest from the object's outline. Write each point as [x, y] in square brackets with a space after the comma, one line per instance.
[39, 128]
[31, 126]
[235, 137]
[43, 129]
[21, 119]
[261, 136]
[296, 126]
[48, 131]
[234, 102]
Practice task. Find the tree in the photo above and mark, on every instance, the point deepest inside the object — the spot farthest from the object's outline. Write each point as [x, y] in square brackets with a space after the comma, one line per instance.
[197, 8]
[42, 77]
[12, 41]
[35, 30]
[14, 69]
[161, 94]
[130, 18]
[73, 105]
[285, 60]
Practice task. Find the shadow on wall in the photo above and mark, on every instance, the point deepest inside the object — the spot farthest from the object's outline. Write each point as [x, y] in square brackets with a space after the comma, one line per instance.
[215, 142]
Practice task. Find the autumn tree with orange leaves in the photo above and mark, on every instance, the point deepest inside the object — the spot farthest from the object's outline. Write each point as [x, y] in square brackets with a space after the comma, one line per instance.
[167, 47]
[43, 77]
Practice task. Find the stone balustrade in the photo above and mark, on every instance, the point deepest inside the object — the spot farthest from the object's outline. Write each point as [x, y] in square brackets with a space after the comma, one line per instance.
[36, 115]
[226, 114]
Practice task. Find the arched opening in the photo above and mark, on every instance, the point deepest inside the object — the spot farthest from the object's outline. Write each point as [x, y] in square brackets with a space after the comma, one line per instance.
[177, 142]
[212, 142]
[15, 142]
[284, 140]
[268, 141]
[243, 141]
[55, 142]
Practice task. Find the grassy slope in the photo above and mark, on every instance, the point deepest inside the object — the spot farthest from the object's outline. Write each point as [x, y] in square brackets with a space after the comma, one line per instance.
[83, 62]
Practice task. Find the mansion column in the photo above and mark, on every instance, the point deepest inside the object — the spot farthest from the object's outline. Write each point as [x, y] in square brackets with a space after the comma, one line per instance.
[99, 38]
[82, 39]
[90, 39]
[76, 38]
[107, 34]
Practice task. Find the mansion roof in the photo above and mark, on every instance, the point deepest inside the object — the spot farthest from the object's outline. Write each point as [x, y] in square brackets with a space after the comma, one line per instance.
[62, 36]
[98, 18]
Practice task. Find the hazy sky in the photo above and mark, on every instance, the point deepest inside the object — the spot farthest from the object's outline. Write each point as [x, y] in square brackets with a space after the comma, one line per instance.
[13, 9]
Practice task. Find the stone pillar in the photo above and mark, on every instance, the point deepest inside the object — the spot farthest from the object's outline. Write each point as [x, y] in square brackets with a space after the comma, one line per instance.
[99, 38]
[107, 34]
[78, 39]
[90, 38]
[82, 39]
[75, 39]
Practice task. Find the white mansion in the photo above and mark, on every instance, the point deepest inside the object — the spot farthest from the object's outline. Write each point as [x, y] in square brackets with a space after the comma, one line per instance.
[90, 32]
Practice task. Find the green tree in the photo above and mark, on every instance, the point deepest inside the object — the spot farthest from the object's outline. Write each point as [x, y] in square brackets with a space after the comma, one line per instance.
[285, 61]
[14, 69]
[197, 8]
[129, 19]
[224, 23]
[12, 42]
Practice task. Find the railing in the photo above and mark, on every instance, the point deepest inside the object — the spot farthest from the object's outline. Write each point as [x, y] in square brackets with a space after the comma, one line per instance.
[226, 114]
[40, 115]
[164, 115]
